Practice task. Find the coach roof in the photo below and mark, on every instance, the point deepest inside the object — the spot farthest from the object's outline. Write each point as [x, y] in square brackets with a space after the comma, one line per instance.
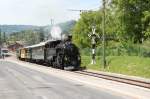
[40, 44]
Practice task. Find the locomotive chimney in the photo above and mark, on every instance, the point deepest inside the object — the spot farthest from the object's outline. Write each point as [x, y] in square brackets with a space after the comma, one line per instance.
[69, 37]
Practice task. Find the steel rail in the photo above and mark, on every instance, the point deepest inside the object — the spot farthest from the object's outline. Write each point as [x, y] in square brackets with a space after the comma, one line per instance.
[130, 81]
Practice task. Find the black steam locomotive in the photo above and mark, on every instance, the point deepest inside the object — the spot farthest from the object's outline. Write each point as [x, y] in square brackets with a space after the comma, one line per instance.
[62, 54]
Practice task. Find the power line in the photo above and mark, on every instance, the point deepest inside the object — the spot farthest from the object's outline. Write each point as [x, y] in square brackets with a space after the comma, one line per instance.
[79, 10]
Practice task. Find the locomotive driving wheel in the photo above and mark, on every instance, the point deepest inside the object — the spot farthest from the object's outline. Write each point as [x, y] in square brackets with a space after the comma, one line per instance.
[59, 60]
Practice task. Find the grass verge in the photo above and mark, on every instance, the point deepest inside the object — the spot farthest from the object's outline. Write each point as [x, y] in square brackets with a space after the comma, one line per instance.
[128, 65]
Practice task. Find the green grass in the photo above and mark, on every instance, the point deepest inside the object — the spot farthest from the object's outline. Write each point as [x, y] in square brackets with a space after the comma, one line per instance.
[128, 65]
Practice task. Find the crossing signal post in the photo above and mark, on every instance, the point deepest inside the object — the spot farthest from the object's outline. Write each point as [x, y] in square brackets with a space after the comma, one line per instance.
[93, 37]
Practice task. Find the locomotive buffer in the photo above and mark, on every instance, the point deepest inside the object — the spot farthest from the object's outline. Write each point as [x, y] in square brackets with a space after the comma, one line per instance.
[93, 37]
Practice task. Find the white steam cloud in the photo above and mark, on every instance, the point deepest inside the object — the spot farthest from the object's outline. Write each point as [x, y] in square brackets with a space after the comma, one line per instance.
[56, 32]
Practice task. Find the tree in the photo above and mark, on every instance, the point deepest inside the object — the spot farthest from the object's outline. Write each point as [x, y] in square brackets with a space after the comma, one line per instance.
[146, 24]
[94, 18]
[84, 26]
[126, 21]
[4, 37]
[29, 37]
[130, 14]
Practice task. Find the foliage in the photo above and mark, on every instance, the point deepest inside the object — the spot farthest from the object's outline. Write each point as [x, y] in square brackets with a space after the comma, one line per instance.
[126, 21]
[130, 14]
[29, 37]
[84, 26]
[9, 29]
[121, 49]
[3, 38]
[146, 23]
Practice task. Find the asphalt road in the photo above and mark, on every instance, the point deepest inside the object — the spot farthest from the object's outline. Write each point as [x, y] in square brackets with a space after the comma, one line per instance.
[17, 82]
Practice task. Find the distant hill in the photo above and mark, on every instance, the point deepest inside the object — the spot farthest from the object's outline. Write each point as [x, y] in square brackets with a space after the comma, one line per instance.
[33, 34]
[9, 29]
[67, 26]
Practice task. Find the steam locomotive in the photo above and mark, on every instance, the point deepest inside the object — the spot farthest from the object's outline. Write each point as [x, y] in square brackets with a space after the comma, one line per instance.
[62, 54]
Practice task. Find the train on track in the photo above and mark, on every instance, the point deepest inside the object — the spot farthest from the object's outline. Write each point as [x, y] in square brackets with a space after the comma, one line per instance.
[62, 54]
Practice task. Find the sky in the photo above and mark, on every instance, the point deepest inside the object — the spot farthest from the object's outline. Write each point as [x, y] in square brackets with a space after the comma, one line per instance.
[40, 12]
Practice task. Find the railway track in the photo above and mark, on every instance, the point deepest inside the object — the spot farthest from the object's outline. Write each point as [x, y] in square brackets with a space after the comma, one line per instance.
[136, 82]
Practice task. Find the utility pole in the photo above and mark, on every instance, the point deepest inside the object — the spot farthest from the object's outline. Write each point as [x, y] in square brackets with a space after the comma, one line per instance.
[0, 44]
[104, 46]
[0, 38]
[52, 22]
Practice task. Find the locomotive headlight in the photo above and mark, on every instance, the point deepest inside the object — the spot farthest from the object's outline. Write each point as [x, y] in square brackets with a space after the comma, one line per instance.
[65, 58]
